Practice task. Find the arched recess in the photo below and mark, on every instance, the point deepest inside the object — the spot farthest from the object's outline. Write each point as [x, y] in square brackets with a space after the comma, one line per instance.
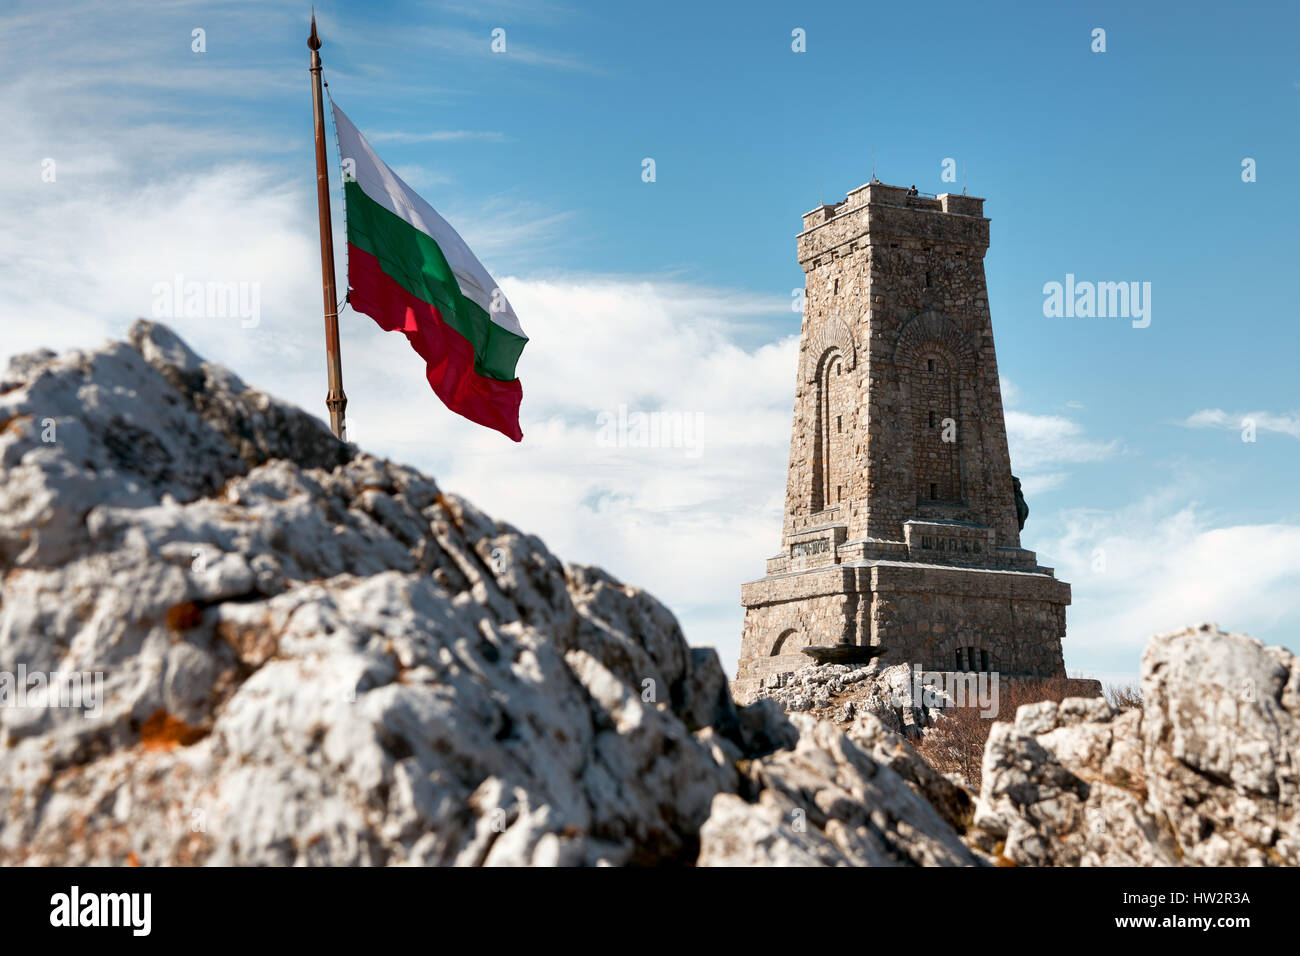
[932, 356]
[833, 334]
[972, 658]
[833, 423]
[930, 328]
[787, 638]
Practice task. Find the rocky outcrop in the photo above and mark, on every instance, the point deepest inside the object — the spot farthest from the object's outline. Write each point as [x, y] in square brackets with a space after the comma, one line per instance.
[834, 800]
[843, 694]
[310, 655]
[228, 638]
[1206, 774]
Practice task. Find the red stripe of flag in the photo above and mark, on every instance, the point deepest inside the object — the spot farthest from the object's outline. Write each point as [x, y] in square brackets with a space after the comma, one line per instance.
[448, 355]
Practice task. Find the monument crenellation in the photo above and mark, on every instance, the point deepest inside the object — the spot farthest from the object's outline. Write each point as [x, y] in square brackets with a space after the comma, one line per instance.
[902, 519]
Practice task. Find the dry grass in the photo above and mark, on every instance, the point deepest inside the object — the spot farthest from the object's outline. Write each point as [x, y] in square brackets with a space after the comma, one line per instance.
[1124, 696]
[955, 744]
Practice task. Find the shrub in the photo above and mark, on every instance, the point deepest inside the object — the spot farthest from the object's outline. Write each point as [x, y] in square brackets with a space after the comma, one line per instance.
[1124, 696]
[955, 743]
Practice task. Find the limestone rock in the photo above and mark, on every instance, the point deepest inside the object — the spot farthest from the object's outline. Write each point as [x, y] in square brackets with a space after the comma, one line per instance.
[1221, 740]
[829, 802]
[309, 655]
[288, 651]
[953, 799]
[842, 694]
[1064, 786]
[1207, 773]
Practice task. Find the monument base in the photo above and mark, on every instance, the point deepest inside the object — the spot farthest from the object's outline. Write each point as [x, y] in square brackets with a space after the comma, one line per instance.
[937, 617]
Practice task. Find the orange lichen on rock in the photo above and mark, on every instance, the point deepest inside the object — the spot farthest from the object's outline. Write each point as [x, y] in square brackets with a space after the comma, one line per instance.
[162, 731]
[184, 616]
[254, 642]
[14, 421]
[448, 509]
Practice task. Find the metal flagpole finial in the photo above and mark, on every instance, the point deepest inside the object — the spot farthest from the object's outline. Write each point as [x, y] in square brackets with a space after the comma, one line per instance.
[313, 41]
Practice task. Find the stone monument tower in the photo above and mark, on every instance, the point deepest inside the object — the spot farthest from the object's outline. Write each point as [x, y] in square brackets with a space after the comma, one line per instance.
[901, 523]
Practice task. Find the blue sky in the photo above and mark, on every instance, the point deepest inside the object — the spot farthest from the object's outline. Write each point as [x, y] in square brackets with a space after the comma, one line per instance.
[675, 295]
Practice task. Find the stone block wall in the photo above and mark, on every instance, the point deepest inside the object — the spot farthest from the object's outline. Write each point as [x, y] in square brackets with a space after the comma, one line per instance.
[900, 525]
[895, 283]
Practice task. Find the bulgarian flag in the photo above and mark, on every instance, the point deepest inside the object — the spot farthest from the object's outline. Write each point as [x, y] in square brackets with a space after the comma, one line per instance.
[412, 273]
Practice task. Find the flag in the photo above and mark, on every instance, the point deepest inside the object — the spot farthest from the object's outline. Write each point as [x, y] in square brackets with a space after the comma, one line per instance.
[412, 273]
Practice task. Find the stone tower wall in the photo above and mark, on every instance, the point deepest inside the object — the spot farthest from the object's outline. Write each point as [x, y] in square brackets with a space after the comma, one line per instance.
[894, 282]
[900, 527]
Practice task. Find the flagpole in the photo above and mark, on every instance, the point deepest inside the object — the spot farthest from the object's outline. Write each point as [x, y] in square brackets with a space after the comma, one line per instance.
[335, 399]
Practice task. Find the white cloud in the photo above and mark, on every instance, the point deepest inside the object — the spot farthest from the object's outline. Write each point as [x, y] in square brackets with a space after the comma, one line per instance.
[421, 177]
[498, 11]
[508, 227]
[1010, 394]
[1036, 483]
[1285, 423]
[688, 523]
[437, 136]
[446, 42]
[1163, 563]
[1039, 440]
[87, 261]
[1041, 444]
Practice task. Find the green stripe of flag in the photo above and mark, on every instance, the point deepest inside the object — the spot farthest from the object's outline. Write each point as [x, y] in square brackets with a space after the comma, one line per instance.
[413, 260]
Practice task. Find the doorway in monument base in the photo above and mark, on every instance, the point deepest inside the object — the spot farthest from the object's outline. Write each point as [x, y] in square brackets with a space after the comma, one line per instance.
[775, 634]
[788, 641]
